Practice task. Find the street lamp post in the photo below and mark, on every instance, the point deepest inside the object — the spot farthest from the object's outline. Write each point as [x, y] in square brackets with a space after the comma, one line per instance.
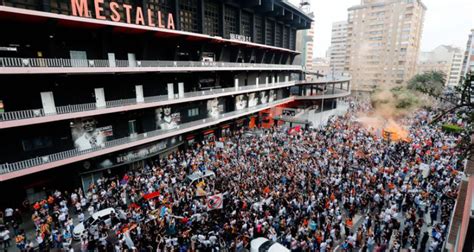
[322, 108]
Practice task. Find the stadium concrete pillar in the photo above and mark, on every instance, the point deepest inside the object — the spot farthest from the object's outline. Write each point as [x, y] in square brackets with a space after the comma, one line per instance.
[170, 91]
[47, 99]
[181, 89]
[139, 93]
[99, 97]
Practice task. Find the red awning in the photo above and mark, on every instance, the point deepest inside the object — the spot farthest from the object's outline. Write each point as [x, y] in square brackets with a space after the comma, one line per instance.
[207, 132]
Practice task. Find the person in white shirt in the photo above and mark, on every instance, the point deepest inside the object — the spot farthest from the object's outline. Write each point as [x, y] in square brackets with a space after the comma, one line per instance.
[323, 246]
[5, 235]
[81, 217]
[8, 214]
[91, 209]
[62, 219]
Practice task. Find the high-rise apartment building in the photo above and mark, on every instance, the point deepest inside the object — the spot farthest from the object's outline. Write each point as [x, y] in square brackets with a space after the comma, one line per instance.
[383, 41]
[305, 44]
[322, 67]
[337, 51]
[454, 75]
[468, 61]
[446, 59]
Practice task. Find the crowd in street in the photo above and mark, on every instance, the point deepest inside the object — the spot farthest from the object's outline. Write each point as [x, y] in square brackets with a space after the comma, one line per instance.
[310, 190]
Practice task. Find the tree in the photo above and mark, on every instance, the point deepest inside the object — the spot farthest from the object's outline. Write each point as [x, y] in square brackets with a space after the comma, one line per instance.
[431, 83]
[464, 101]
[463, 105]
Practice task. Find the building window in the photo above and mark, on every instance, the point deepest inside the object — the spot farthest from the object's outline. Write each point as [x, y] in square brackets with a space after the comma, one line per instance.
[193, 112]
[278, 35]
[230, 18]
[292, 39]
[26, 4]
[60, 6]
[286, 32]
[164, 6]
[246, 28]
[270, 33]
[211, 18]
[188, 13]
[259, 32]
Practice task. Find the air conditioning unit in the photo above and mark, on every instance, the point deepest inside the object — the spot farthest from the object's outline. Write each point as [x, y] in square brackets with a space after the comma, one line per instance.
[91, 63]
[45, 159]
[139, 63]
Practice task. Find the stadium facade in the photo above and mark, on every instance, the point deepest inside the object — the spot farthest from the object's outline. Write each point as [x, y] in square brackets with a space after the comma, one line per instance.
[93, 87]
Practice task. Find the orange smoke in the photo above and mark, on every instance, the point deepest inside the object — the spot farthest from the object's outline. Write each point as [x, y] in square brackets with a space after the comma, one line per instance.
[393, 131]
[389, 128]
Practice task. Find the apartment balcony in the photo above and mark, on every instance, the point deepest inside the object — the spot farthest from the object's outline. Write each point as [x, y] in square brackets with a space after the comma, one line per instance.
[87, 66]
[25, 167]
[36, 116]
[331, 89]
[325, 80]
[337, 93]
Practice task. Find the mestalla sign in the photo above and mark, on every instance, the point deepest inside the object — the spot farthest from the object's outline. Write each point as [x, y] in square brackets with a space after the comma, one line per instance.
[141, 16]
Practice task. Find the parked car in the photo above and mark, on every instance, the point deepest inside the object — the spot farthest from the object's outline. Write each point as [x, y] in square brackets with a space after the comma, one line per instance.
[92, 222]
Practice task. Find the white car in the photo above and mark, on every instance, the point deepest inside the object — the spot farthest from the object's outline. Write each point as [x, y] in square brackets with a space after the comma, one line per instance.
[198, 176]
[264, 245]
[93, 222]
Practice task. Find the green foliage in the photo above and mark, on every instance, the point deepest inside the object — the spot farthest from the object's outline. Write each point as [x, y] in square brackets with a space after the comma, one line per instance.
[452, 128]
[431, 83]
[404, 98]
[405, 103]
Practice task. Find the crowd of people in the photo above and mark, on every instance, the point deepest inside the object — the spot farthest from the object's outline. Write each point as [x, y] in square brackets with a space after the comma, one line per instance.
[310, 190]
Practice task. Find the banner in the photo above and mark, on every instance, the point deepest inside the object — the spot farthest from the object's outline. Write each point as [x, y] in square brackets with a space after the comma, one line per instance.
[166, 119]
[272, 96]
[253, 100]
[240, 102]
[214, 202]
[138, 153]
[86, 134]
[215, 107]
[263, 97]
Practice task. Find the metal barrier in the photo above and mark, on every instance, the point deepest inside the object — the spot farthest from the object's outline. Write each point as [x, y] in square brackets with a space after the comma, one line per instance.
[94, 63]
[24, 164]
[32, 113]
